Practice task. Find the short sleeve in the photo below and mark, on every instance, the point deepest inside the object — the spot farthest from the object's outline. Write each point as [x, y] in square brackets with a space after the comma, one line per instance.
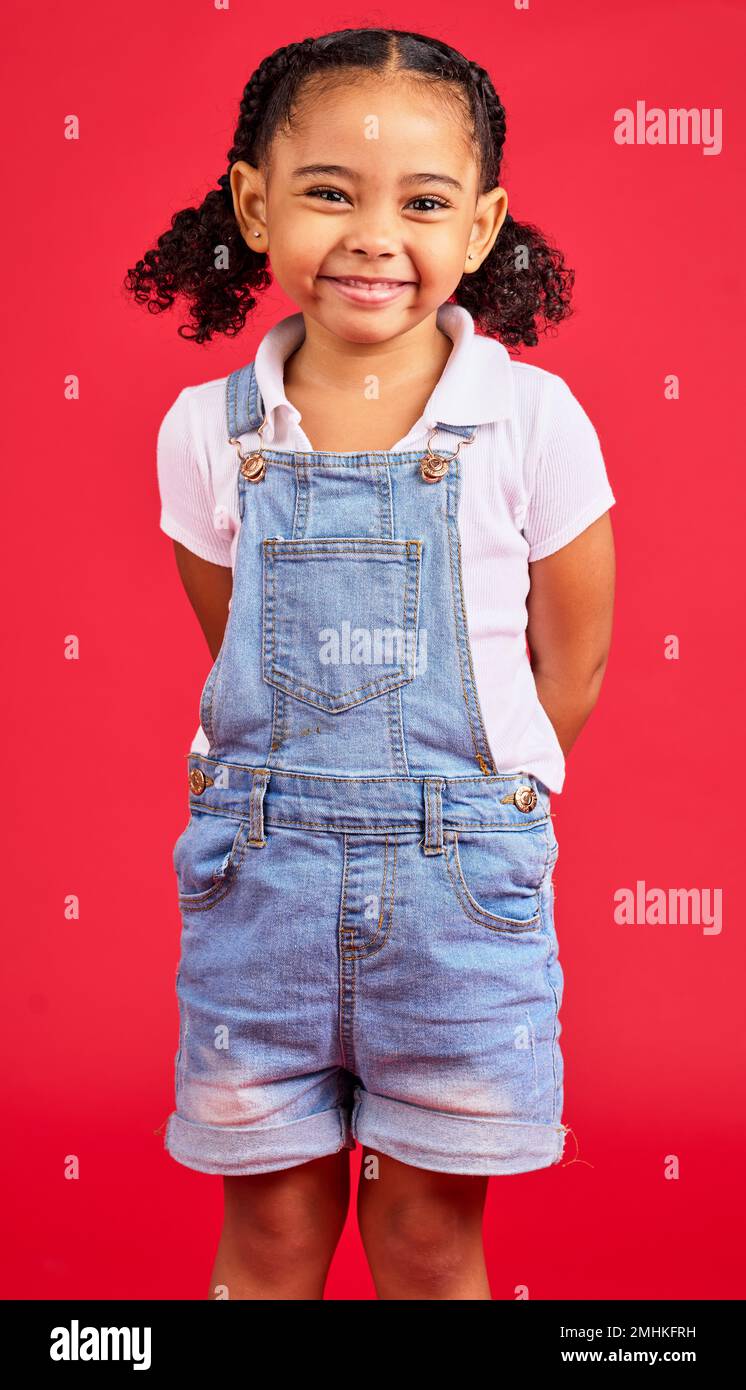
[187, 501]
[570, 488]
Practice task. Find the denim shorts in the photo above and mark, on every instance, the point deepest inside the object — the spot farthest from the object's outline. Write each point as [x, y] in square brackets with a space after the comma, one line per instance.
[339, 981]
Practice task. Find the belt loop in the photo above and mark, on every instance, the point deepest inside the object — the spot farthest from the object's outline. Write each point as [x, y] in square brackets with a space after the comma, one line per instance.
[259, 779]
[432, 788]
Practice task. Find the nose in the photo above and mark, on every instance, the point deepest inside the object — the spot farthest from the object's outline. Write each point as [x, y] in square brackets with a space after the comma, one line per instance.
[372, 236]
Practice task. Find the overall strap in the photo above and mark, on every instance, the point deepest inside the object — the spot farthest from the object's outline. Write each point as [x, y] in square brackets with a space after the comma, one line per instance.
[244, 410]
[463, 430]
[245, 413]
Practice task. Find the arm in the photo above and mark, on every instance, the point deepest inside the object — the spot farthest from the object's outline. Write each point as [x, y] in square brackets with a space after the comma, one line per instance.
[208, 589]
[570, 611]
[202, 551]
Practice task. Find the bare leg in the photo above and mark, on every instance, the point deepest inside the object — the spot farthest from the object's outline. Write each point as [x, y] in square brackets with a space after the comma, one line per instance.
[280, 1230]
[422, 1231]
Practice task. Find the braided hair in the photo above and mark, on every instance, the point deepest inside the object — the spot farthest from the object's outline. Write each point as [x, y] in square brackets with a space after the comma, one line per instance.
[522, 284]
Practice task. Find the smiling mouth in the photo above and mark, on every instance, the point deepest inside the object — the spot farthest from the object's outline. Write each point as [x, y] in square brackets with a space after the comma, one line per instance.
[368, 292]
[363, 282]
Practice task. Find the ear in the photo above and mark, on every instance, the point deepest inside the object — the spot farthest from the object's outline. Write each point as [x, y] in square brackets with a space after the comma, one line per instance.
[250, 204]
[490, 213]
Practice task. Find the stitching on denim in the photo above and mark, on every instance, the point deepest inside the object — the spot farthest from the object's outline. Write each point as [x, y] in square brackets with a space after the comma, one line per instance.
[256, 807]
[394, 706]
[462, 630]
[467, 643]
[276, 731]
[283, 705]
[346, 972]
[428, 818]
[341, 546]
[385, 502]
[254, 406]
[382, 895]
[344, 929]
[268, 614]
[522, 775]
[395, 714]
[297, 684]
[365, 948]
[453, 538]
[231, 810]
[294, 685]
[365, 951]
[470, 906]
[229, 395]
[433, 814]
[546, 858]
[552, 945]
[390, 919]
[302, 499]
[374, 827]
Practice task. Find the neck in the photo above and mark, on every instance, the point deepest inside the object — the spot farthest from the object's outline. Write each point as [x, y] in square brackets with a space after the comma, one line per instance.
[324, 361]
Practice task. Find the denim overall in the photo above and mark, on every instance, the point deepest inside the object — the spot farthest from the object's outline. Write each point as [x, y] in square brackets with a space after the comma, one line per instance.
[368, 948]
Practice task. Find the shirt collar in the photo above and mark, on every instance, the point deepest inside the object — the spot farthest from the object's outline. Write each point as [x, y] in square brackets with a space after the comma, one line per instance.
[475, 388]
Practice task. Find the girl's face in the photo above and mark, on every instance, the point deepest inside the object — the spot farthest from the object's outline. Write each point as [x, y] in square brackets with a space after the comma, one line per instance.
[377, 182]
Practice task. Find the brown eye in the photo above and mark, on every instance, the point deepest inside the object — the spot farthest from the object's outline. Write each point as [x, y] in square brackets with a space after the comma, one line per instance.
[314, 192]
[437, 202]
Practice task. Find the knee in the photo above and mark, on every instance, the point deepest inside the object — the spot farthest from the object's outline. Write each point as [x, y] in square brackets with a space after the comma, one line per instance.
[278, 1227]
[427, 1242]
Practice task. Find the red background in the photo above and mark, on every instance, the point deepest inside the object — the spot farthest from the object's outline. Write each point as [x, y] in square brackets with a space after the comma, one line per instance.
[93, 766]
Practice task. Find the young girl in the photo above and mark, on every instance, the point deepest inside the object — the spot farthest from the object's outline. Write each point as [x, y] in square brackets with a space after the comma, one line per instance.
[390, 505]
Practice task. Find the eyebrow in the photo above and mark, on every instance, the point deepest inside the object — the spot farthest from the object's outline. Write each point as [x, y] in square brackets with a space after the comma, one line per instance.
[340, 171]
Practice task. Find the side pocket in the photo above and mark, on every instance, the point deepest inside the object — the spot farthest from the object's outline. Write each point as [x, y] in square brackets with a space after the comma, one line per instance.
[207, 858]
[497, 875]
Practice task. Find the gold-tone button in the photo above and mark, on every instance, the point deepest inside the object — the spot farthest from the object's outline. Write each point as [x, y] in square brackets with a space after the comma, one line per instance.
[197, 780]
[253, 467]
[433, 468]
[525, 798]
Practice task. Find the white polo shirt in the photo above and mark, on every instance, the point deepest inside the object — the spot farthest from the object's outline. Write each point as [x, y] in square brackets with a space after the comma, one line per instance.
[533, 479]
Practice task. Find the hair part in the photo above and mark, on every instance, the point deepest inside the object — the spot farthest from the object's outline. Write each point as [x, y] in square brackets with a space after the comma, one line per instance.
[521, 287]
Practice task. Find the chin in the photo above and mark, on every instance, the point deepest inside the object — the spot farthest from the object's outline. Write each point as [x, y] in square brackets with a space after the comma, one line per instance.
[374, 332]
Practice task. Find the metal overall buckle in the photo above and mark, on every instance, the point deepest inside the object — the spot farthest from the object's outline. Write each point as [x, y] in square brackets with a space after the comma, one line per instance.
[435, 466]
[252, 466]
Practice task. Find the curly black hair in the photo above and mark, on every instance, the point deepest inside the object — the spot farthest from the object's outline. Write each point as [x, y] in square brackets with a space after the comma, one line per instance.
[522, 284]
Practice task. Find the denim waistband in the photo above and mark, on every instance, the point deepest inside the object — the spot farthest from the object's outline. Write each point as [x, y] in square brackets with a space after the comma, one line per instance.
[366, 805]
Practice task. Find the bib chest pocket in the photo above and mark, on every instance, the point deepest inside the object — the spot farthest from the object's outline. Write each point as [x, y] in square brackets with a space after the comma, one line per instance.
[340, 617]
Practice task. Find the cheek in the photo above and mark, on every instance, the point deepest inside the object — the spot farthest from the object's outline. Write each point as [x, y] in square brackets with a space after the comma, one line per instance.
[439, 264]
[300, 245]
[290, 260]
[440, 257]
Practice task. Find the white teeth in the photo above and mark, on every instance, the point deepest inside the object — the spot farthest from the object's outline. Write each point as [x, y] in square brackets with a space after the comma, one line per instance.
[366, 285]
